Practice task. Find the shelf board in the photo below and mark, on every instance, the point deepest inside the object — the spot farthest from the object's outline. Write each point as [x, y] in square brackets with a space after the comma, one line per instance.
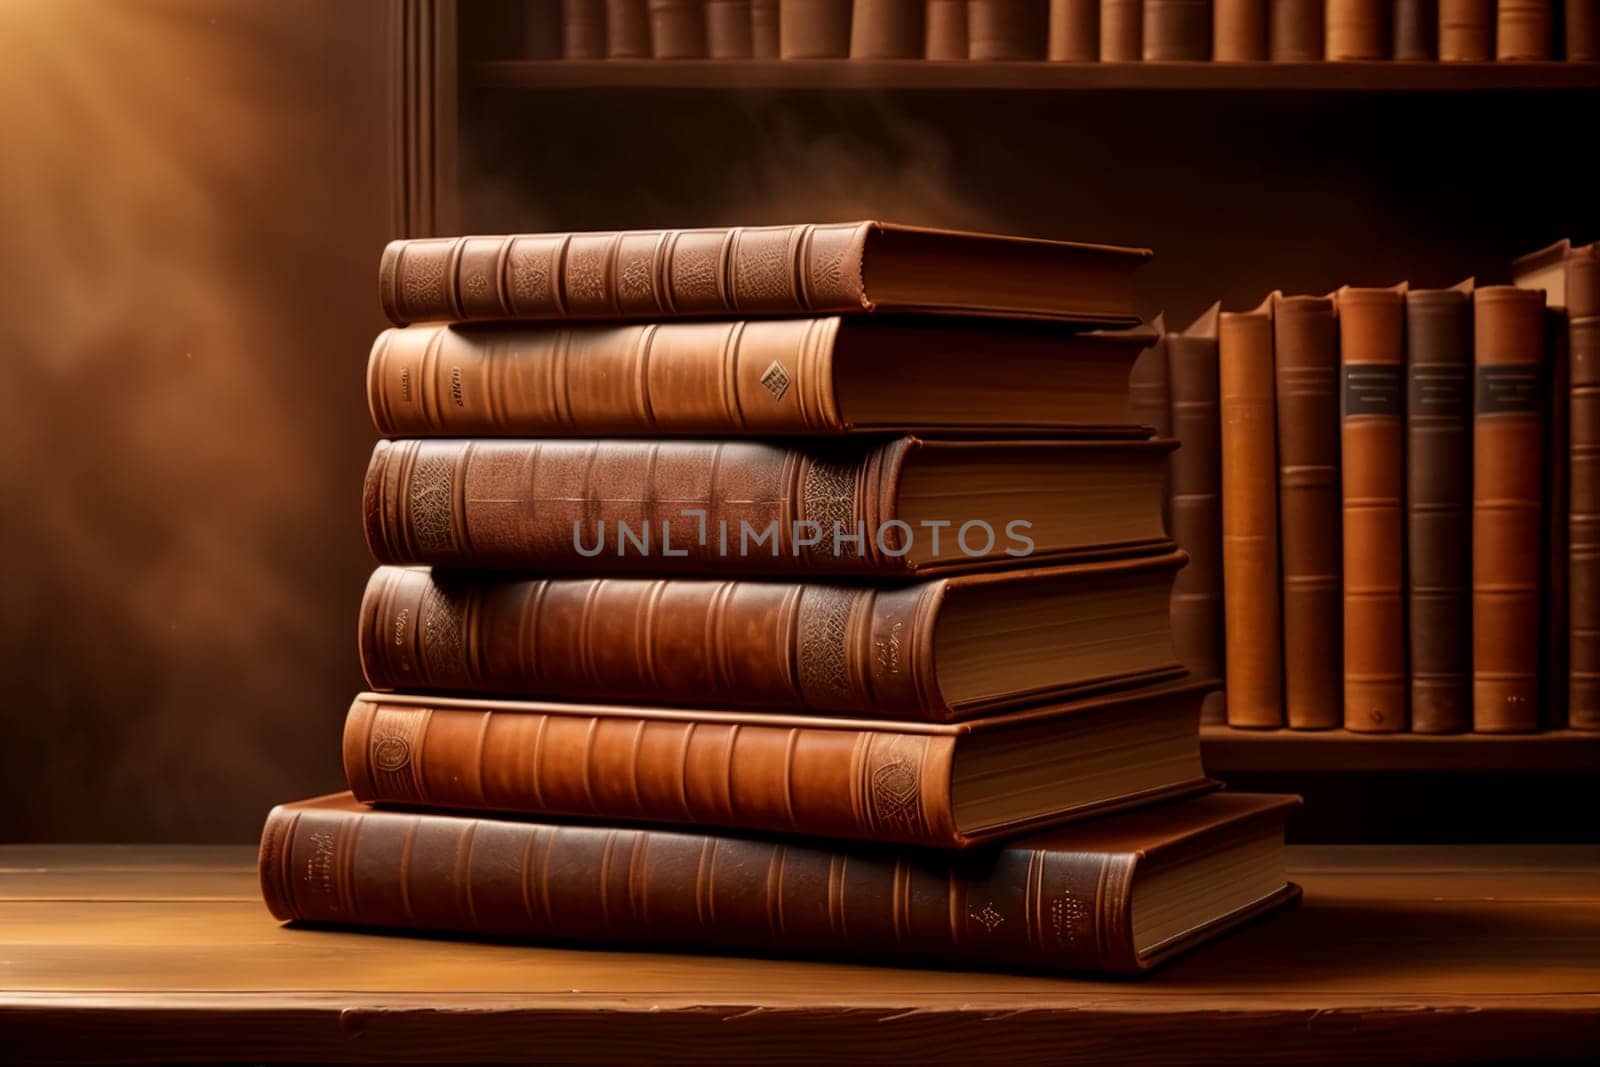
[921, 74]
[1231, 751]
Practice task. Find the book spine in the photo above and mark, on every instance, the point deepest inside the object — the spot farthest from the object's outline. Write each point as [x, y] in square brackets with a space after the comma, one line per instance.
[1197, 626]
[658, 888]
[1507, 478]
[1356, 29]
[1582, 31]
[587, 505]
[730, 28]
[723, 644]
[1557, 506]
[1150, 404]
[1250, 521]
[1583, 516]
[1416, 30]
[888, 29]
[633, 275]
[1007, 29]
[678, 29]
[814, 29]
[1177, 30]
[1371, 354]
[1522, 30]
[1466, 31]
[857, 784]
[542, 34]
[1438, 506]
[583, 29]
[1121, 31]
[628, 29]
[1306, 339]
[947, 29]
[1074, 31]
[1295, 31]
[1239, 31]
[764, 29]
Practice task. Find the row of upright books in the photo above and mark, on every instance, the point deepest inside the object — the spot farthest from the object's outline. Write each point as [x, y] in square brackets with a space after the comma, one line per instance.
[806, 593]
[1395, 494]
[1065, 30]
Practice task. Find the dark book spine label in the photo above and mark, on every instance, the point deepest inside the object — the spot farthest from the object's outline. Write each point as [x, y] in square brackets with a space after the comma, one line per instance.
[1507, 387]
[1372, 389]
[1439, 389]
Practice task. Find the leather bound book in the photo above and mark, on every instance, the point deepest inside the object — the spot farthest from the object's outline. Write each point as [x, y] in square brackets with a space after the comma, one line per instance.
[764, 29]
[1371, 356]
[1196, 473]
[942, 785]
[1074, 31]
[1007, 29]
[814, 29]
[1356, 29]
[934, 651]
[729, 28]
[1254, 661]
[543, 35]
[1507, 490]
[583, 29]
[1522, 30]
[888, 29]
[1582, 34]
[1177, 30]
[1121, 31]
[1239, 31]
[1295, 31]
[757, 271]
[1115, 896]
[947, 29]
[1306, 340]
[1416, 30]
[1466, 31]
[628, 29]
[896, 507]
[678, 29]
[1150, 402]
[1583, 529]
[1438, 506]
[761, 377]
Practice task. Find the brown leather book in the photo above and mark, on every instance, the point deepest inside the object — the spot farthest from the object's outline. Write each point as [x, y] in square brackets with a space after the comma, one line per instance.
[1177, 30]
[1114, 896]
[1522, 30]
[1254, 660]
[729, 29]
[1150, 401]
[628, 29]
[935, 651]
[1372, 462]
[1466, 31]
[1007, 29]
[1416, 30]
[888, 29]
[1121, 31]
[1306, 343]
[1582, 36]
[678, 29]
[758, 377]
[943, 785]
[1074, 31]
[543, 34]
[757, 271]
[764, 29]
[1295, 31]
[904, 506]
[1196, 473]
[1438, 506]
[1583, 530]
[1239, 31]
[947, 29]
[814, 29]
[1357, 29]
[583, 29]
[1507, 505]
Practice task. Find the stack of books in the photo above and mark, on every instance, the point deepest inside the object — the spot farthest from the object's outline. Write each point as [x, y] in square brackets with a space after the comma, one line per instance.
[808, 593]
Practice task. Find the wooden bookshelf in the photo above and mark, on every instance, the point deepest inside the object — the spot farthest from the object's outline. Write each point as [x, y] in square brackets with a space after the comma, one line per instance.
[1231, 751]
[839, 74]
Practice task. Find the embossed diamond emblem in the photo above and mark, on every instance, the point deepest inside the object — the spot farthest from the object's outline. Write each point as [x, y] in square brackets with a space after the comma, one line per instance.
[988, 918]
[776, 380]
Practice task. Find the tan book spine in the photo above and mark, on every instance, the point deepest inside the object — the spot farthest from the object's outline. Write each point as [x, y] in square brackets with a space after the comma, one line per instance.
[1371, 354]
[814, 29]
[1075, 31]
[1357, 30]
[1583, 517]
[1250, 519]
[1523, 30]
[1466, 31]
[1121, 31]
[678, 29]
[1239, 31]
[729, 29]
[764, 29]
[1295, 31]
[888, 29]
[628, 29]
[583, 29]
[1007, 29]
[947, 30]
[1582, 31]
[1177, 30]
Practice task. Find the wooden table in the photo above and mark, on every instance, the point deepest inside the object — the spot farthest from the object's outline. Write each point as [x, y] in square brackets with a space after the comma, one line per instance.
[1423, 954]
